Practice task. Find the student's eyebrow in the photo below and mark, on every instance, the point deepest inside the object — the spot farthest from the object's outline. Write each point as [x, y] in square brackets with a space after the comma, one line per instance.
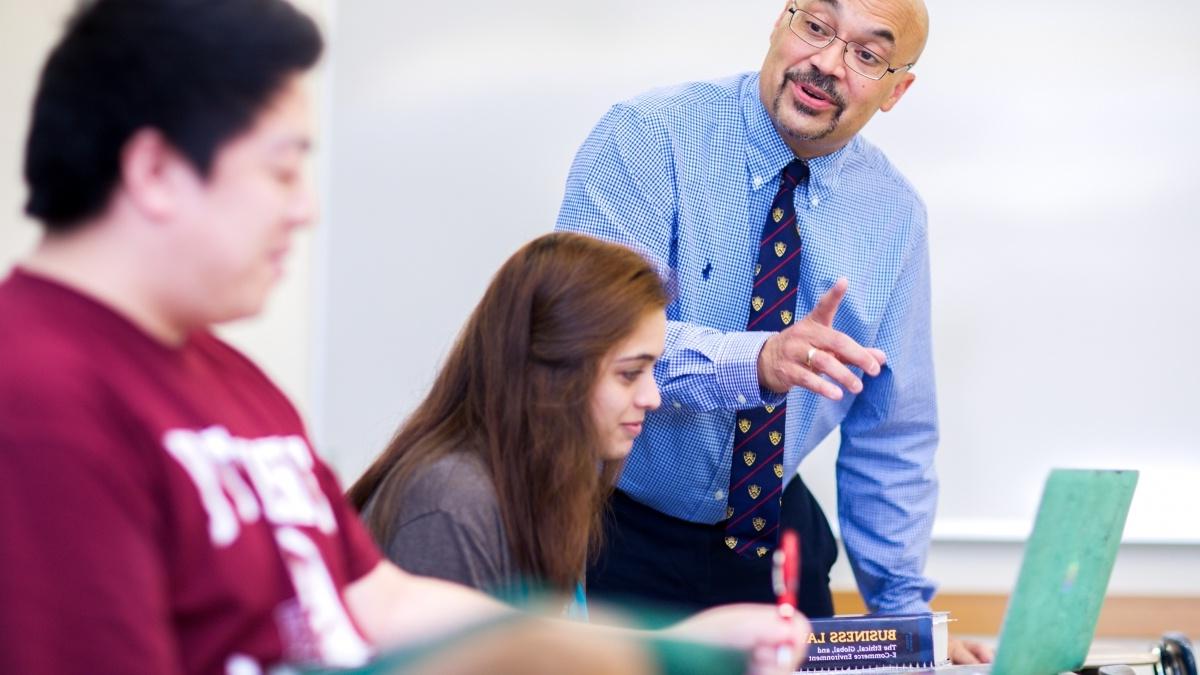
[638, 357]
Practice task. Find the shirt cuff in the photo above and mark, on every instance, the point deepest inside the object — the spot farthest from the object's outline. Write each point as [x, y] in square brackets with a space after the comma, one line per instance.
[736, 368]
[911, 600]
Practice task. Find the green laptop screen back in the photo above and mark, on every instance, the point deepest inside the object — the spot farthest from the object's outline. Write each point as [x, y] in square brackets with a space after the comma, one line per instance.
[1052, 614]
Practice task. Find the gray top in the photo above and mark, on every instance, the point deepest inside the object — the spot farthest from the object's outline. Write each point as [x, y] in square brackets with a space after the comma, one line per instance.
[449, 526]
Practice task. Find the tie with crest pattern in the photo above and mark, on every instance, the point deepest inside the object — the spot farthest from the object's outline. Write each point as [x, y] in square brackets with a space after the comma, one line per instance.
[756, 474]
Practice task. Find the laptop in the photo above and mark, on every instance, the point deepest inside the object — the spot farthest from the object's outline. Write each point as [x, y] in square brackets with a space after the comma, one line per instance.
[1052, 613]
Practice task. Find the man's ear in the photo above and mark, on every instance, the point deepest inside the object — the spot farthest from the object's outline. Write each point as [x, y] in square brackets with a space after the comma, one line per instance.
[898, 91]
[149, 174]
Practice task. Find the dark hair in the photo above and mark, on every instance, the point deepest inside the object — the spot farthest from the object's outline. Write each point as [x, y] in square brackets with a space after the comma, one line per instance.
[198, 71]
[516, 388]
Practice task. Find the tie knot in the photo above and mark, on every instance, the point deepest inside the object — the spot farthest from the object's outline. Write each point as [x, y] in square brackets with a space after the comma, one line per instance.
[793, 173]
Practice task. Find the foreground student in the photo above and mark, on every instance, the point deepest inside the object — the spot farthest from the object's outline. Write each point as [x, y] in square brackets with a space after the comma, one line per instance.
[500, 476]
[160, 507]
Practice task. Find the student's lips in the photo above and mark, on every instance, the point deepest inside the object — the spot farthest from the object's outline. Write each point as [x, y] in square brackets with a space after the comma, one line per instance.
[632, 428]
[276, 260]
[279, 254]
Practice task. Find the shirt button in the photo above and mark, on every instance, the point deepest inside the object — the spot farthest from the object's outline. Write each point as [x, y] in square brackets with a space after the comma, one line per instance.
[678, 405]
[816, 201]
[758, 181]
[741, 399]
[719, 494]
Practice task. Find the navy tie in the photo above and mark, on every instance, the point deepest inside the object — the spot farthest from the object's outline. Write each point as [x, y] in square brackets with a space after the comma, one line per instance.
[756, 474]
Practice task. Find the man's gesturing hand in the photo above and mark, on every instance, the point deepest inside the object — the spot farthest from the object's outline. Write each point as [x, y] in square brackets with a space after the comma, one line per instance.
[798, 356]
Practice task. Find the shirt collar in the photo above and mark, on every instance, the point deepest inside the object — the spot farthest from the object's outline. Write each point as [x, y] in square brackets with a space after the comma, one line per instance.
[767, 154]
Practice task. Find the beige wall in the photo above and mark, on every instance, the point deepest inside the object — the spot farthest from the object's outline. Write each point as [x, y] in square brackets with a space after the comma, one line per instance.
[279, 339]
[26, 29]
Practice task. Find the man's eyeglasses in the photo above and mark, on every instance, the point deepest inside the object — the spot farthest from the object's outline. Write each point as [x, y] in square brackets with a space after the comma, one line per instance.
[857, 57]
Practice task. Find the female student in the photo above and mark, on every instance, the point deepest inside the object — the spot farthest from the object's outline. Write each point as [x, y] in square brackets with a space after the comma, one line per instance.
[500, 476]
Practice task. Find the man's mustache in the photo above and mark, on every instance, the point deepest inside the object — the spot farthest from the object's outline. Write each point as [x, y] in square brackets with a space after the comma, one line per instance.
[813, 77]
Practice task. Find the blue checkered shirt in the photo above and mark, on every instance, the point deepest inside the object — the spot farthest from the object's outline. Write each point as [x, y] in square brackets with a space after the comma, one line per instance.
[686, 175]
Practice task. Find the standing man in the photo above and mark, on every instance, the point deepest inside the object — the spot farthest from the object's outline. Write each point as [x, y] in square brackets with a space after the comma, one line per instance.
[799, 259]
[161, 509]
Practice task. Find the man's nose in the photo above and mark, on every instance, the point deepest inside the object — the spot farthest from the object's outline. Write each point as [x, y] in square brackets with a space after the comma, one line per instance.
[831, 59]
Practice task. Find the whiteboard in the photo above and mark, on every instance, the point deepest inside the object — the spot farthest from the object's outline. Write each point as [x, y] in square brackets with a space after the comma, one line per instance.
[1054, 144]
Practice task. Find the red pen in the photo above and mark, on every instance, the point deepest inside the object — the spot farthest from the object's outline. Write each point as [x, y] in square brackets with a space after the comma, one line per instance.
[786, 579]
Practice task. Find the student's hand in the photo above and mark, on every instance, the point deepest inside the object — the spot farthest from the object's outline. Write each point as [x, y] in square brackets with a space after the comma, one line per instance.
[965, 651]
[756, 629]
[784, 360]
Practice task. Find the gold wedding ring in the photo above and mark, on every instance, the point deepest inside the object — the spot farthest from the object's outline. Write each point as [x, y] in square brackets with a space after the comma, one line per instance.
[808, 361]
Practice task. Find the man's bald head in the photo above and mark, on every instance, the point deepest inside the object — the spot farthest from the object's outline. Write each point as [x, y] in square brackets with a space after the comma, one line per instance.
[917, 27]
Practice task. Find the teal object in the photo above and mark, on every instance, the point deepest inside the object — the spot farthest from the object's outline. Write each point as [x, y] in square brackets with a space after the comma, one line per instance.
[577, 610]
[671, 657]
[408, 659]
[1051, 616]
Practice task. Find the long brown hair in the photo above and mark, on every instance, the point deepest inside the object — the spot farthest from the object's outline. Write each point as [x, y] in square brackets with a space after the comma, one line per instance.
[516, 388]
